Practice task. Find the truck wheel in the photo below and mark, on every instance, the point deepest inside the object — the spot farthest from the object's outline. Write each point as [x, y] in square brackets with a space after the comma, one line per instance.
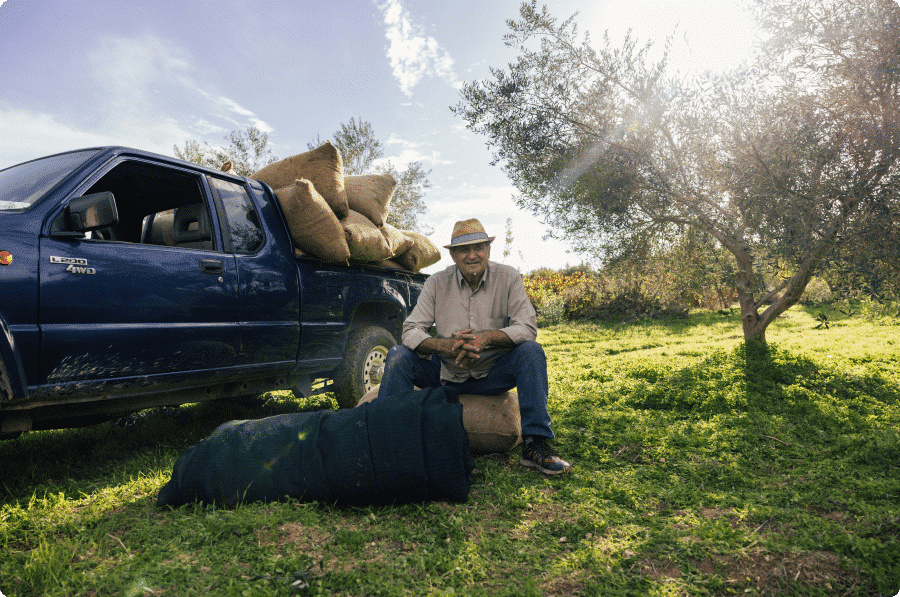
[363, 364]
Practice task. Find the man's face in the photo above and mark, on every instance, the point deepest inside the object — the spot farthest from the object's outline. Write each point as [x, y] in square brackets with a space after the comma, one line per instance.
[471, 260]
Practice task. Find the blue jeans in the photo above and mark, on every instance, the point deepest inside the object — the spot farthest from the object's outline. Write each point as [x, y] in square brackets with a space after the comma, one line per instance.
[523, 367]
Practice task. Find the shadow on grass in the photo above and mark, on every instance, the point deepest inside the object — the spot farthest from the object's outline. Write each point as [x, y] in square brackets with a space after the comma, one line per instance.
[63, 460]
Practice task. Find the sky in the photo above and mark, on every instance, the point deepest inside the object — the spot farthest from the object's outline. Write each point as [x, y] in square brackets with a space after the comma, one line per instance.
[155, 74]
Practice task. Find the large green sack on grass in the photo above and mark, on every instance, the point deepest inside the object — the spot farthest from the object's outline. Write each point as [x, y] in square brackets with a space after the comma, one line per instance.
[406, 448]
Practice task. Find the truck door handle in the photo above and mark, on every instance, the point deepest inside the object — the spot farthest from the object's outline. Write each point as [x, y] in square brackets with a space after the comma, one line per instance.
[211, 266]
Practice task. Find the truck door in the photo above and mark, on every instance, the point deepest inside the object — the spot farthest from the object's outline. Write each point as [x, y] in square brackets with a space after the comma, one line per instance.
[268, 288]
[152, 295]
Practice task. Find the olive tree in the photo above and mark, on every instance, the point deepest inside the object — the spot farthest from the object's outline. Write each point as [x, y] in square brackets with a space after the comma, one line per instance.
[361, 151]
[247, 151]
[771, 160]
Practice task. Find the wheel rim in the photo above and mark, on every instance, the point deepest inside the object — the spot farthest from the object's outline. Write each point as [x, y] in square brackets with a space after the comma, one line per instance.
[373, 370]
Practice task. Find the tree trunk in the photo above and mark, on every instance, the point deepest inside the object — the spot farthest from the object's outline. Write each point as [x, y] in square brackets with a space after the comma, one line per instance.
[754, 326]
[754, 322]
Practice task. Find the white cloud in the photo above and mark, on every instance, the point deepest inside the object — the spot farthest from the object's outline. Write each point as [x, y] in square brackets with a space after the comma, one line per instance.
[37, 135]
[205, 128]
[148, 76]
[477, 67]
[232, 106]
[409, 152]
[130, 71]
[142, 92]
[412, 53]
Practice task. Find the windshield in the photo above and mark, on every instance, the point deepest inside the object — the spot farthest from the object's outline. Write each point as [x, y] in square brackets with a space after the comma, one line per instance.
[21, 186]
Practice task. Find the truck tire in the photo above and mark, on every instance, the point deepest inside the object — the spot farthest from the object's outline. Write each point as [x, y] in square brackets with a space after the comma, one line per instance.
[363, 364]
[6, 393]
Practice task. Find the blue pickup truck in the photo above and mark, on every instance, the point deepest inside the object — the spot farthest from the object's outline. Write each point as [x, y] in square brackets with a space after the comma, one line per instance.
[131, 280]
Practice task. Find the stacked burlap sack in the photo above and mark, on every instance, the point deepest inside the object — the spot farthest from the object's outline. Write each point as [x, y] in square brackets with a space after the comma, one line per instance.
[338, 218]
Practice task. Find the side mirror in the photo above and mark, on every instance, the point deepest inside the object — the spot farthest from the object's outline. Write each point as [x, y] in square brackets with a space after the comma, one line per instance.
[92, 212]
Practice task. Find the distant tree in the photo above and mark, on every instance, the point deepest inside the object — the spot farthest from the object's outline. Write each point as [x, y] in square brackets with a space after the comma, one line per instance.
[507, 247]
[358, 145]
[772, 160]
[702, 272]
[360, 149]
[193, 152]
[868, 261]
[408, 202]
[247, 150]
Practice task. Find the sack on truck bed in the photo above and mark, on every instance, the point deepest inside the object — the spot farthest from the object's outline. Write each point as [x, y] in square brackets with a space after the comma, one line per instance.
[422, 253]
[365, 240]
[322, 166]
[370, 195]
[314, 228]
[398, 242]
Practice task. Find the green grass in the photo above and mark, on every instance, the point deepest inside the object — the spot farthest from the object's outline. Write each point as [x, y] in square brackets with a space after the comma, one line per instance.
[699, 470]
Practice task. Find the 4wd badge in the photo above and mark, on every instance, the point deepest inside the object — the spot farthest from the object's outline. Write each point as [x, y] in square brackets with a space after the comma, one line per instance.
[75, 265]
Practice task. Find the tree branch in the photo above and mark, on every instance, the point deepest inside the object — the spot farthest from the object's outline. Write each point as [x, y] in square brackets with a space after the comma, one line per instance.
[778, 183]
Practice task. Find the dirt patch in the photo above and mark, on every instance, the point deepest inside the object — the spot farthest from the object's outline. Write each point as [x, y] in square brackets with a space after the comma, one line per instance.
[772, 574]
[316, 543]
[715, 512]
[302, 536]
[767, 573]
[660, 570]
[562, 586]
[547, 513]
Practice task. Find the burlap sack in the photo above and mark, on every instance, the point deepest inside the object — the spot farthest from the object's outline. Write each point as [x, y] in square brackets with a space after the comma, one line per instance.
[228, 167]
[321, 166]
[422, 254]
[493, 423]
[370, 195]
[365, 240]
[314, 227]
[398, 242]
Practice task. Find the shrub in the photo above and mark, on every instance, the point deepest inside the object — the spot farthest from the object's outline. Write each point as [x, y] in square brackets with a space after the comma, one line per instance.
[817, 292]
[549, 307]
[580, 294]
[632, 304]
[555, 282]
[582, 299]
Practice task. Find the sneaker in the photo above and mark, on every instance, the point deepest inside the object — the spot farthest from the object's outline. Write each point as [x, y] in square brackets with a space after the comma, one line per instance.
[539, 455]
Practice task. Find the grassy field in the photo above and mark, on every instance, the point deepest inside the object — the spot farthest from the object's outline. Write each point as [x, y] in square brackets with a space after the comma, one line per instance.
[699, 470]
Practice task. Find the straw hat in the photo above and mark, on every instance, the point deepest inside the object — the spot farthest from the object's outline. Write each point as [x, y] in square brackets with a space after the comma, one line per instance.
[468, 232]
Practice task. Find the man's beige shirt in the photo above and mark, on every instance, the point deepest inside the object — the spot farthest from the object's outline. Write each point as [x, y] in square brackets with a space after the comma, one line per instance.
[447, 302]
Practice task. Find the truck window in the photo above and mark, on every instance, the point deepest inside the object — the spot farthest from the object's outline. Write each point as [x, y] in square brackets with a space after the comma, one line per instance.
[157, 205]
[22, 185]
[243, 224]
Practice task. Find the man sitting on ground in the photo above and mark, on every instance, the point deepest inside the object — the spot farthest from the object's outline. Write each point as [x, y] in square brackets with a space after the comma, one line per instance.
[485, 342]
